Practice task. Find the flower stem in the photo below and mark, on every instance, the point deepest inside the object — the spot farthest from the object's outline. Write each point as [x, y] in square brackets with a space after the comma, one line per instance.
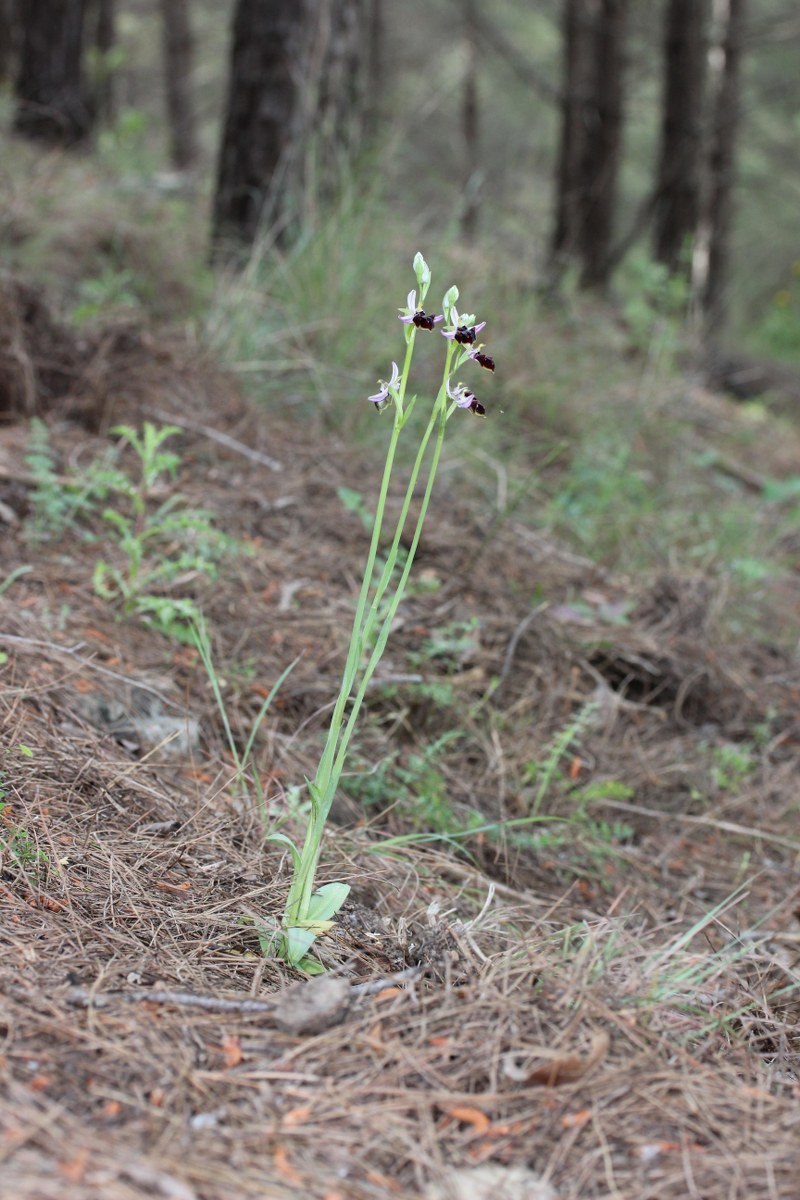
[303, 883]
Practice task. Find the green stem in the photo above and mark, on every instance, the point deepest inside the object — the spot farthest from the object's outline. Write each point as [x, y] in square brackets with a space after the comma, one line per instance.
[356, 640]
[302, 885]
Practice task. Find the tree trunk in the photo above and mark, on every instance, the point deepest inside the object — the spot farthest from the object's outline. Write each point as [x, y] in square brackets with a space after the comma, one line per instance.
[722, 161]
[8, 39]
[679, 172]
[470, 125]
[602, 140]
[294, 97]
[105, 40]
[334, 99]
[576, 85]
[52, 102]
[178, 60]
[373, 72]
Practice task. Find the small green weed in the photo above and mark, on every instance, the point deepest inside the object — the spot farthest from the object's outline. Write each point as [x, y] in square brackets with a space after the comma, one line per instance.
[731, 766]
[17, 847]
[57, 504]
[417, 788]
[654, 304]
[160, 547]
[116, 288]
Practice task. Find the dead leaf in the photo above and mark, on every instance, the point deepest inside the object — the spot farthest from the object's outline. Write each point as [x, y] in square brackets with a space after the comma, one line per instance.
[556, 1066]
[470, 1116]
[296, 1116]
[284, 1168]
[73, 1169]
[231, 1051]
[387, 994]
[576, 1120]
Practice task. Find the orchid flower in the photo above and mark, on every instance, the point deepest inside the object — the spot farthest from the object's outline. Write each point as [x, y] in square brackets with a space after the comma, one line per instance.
[464, 332]
[386, 391]
[462, 397]
[412, 315]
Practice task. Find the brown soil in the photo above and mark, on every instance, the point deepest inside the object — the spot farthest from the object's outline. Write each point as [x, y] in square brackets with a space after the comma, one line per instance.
[607, 1004]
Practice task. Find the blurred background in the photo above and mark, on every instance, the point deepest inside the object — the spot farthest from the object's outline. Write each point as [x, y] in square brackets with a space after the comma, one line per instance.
[614, 186]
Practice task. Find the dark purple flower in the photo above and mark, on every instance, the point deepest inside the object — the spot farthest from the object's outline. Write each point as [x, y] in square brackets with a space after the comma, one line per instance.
[382, 396]
[417, 316]
[483, 360]
[464, 398]
[465, 335]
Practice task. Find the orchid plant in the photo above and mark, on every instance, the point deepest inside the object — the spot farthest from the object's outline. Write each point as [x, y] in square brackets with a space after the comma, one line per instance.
[310, 910]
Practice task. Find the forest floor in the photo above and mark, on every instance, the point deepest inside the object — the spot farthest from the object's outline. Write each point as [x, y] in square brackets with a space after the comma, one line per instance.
[571, 953]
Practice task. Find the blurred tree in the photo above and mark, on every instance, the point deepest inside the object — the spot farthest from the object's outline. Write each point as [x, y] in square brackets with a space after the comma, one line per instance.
[602, 139]
[374, 72]
[577, 33]
[470, 125]
[8, 39]
[52, 100]
[178, 64]
[102, 60]
[293, 108]
[592, 113]
[678, 182]
[722, 161]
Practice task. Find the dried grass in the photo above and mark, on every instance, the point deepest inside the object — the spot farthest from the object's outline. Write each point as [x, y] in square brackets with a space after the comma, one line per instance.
[614, 1023]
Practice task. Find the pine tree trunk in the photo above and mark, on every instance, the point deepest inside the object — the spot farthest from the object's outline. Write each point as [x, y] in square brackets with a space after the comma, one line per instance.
[333, 100]
[373, 71]
[576, 86]
[52, 101]
[470, 126]
[602, 140]
[105, 39]
[293, 110]
[178, 50]
[8, 39]
[722, 163]
[679, 173]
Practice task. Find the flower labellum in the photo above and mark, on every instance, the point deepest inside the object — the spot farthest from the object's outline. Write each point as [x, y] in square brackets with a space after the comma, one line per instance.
[423, 320]
[483, 360]
[464, 334]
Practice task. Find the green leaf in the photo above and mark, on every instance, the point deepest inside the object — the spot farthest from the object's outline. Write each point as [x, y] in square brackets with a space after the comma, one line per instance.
[284, 840]
[326, 901]
[296, 942]
[314, 793]
[311, 966]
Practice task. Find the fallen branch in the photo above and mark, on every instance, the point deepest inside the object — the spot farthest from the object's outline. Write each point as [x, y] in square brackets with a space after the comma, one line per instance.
[82, 997]
[223, 439]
